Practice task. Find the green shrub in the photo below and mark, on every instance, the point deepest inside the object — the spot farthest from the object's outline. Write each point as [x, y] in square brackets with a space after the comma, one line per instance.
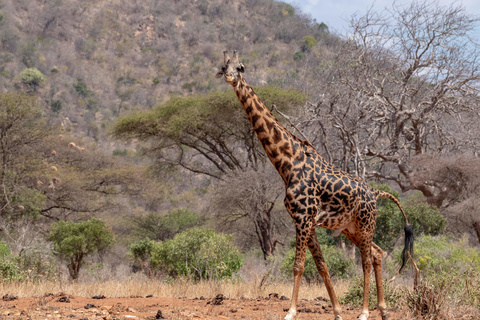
[9, 269]
[141, 250]
[390, 222]
[298, 56]
[56, 105]
[447, 266]
[339, 266]
[199, 253]
[354, 295]
[81, 88]
[31, 77]
[163, 227]
[439, 256]
[308, 43]
[74, 241]
[120, 152]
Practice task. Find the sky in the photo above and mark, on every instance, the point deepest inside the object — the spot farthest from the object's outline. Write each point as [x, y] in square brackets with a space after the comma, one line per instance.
[336, 13]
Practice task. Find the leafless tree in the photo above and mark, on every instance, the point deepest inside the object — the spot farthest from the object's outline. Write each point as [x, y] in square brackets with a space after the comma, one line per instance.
[405, 83]
[248, 203]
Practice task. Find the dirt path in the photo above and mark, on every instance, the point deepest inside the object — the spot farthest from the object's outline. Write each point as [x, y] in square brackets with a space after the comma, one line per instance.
[79, 308]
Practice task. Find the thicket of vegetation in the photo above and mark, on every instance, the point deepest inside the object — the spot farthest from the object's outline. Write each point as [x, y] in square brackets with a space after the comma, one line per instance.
[124, 133]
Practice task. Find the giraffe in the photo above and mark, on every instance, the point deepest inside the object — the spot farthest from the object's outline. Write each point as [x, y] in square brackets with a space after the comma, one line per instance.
[317, 194]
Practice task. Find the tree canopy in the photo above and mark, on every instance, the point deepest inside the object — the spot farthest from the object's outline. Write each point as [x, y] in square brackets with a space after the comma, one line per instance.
[75, 241]
[205, 134]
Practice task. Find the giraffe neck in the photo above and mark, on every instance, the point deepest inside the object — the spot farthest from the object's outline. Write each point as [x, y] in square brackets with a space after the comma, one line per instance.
[280, 145]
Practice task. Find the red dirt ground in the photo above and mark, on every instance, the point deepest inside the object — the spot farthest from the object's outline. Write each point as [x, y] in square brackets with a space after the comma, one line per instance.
[134, 308]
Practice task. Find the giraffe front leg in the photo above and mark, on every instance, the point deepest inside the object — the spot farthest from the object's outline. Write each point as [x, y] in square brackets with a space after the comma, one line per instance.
[298, 267]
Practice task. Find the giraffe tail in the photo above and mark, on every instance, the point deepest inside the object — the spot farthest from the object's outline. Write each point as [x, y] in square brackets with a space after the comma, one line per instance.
[409, 237]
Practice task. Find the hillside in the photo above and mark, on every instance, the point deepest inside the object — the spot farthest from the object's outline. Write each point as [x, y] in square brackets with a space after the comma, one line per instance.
[102, 59]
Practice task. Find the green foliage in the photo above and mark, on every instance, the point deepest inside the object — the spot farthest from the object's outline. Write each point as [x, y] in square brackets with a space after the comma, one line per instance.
[338, 264]
[287, 9]
[81, 88]
[74, 241]
[198, 253]
[22, 127]
[162, 227]
[9, 269]
[4, 250]
[31, 77]
[448, 268]
[308, 43]
[56, 105]
[322, 27]
[119, 152]
[425, 219]
[441, 255]
[188, 86]
[298, 56]
[324, 236]
[126, 81]
[141, 250]
[201, 113]
[31, 201]
[354, 295]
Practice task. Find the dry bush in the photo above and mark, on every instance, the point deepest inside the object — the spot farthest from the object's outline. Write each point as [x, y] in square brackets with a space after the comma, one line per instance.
[428, 301]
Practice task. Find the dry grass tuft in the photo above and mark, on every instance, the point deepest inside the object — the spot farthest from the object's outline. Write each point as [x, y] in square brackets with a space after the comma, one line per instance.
[178, 288]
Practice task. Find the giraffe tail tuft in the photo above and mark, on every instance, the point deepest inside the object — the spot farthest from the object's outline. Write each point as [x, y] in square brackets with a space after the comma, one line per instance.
[409, 237]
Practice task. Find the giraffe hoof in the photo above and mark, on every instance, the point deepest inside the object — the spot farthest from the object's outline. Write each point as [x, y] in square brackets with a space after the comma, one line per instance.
[385, 316]
[363, 316]
[338, 317]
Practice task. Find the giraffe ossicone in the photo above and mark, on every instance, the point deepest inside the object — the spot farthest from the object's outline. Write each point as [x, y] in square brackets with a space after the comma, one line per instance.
[317, 194]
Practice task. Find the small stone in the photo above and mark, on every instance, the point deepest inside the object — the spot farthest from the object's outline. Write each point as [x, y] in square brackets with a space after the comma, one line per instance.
[159, 315]
[64, 299]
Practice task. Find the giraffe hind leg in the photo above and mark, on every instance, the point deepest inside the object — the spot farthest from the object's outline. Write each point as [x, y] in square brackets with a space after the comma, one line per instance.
[365, 248]
[377, 254]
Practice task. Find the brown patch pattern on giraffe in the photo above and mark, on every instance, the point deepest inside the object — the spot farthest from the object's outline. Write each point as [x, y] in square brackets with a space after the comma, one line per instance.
[317, 194]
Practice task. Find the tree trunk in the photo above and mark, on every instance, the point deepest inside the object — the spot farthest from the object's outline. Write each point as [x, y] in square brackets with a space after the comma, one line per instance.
[476, 226]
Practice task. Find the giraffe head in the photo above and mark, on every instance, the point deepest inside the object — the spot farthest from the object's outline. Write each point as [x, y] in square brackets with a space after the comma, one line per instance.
[231, 69]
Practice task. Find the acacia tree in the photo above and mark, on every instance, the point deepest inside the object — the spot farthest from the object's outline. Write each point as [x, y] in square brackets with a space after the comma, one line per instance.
[204, 134]
[22, 127]
[405, 83]
[209, 135]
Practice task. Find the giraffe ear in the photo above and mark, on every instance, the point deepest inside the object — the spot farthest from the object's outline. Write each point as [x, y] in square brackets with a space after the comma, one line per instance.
[241, 68]
[219, 74]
